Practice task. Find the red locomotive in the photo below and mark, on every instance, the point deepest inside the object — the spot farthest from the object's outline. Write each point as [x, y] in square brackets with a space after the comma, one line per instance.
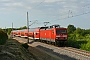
[52, 34]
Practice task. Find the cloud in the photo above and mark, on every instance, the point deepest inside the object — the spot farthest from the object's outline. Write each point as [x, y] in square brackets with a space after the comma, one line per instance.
[51, 6]
[48, 10]
[35, 1]
[13, 4]
[49, 1]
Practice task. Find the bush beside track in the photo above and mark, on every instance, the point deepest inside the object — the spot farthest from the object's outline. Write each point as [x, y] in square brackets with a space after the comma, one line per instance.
[78, 38]
[3, 37]
[12, 50]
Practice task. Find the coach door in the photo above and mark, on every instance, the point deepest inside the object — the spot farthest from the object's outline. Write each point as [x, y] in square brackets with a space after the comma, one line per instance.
[52, 36]
[36, 35]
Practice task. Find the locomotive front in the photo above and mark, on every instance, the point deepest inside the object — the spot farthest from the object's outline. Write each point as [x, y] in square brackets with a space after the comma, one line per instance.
[61, 34]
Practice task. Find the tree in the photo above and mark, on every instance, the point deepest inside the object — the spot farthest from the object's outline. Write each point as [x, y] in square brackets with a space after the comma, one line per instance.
[3, 37]
[78, 31]
[71, 28]
[87, 31]
[22, 28]
[9, 30]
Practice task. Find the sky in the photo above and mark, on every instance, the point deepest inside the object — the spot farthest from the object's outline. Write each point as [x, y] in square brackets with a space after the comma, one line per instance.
[62, 12]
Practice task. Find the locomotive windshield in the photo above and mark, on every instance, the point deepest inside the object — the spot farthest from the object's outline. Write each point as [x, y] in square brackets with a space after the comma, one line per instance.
[60, 31]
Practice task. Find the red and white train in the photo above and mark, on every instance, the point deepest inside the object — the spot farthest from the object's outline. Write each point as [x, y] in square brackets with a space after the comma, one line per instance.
[52, 34]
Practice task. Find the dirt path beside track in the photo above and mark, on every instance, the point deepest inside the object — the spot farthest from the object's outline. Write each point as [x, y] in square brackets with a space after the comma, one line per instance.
[13, 50]
[44, 51]
[42, 55]
[39, 53]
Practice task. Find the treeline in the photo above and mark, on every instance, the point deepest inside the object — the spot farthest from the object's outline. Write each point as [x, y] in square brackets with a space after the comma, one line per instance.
[78, 38]
[8, 30]
[5, 32]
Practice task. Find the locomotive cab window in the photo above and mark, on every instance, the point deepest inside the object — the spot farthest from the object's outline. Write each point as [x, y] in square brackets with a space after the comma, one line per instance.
[60, 31]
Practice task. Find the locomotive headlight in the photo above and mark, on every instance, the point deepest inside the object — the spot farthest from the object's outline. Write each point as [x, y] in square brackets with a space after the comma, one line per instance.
[56, 37]
[65, 37]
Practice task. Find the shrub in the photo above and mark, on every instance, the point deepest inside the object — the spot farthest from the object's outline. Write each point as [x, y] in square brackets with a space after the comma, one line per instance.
[25, 45]
[3, 37]
[86, 46]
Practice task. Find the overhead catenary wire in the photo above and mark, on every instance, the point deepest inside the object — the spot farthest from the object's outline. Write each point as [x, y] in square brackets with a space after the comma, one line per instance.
[70, 14]
[34, 7]
[37, 5]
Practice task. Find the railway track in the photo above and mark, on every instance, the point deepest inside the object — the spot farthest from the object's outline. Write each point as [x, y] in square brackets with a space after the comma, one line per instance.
[70, 51]
[64, 51]
[78, 51]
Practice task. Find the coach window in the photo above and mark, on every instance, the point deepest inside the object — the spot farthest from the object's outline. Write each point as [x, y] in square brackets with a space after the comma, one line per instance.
[36, 33]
